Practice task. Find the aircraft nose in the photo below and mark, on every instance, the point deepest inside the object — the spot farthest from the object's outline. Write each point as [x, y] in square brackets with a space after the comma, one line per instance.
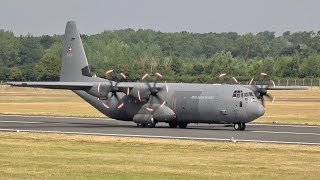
[260, 110]
[255, 111]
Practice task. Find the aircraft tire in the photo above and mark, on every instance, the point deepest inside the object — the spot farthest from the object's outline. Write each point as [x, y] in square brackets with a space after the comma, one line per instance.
[152, 124]
[239, 126]
[183, 125]
[242, 126]
[236, 126]
[173, 124]
[142, 125]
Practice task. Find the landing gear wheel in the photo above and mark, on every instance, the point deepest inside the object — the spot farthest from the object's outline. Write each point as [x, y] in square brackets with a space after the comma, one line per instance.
[141, 125]
[239, 126]
[173, 124]
[152, 124]
[183, 125]
[242, 126]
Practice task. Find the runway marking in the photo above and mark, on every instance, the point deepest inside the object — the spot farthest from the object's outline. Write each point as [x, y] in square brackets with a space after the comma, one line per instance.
[276, 132]
[161, 137]
[56, 117]
[271, 132]
[284, 125]
[110, 119]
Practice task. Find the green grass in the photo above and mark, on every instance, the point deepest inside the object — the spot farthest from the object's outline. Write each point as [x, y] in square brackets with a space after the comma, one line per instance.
[52, 156]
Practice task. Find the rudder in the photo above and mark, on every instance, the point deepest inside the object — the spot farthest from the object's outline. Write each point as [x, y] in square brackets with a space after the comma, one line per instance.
[74, 66]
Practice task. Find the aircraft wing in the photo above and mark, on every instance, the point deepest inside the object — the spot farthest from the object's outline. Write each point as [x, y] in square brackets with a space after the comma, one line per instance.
[277, 87]
[54, 85]
[287, 87]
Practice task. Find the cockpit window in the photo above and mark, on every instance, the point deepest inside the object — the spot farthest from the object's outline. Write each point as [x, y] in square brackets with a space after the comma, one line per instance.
[246, 94]
[251, 94]
[237, 94]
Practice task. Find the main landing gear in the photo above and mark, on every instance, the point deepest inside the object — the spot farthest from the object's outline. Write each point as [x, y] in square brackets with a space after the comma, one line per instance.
[175, 124]
[151, 124]
[239, 126]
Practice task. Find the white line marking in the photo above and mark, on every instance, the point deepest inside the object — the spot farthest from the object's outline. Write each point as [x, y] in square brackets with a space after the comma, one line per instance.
[162, 137]
[54, 117]
[23, 122]
[296, 133]
[108, 119]
[284, 125]
[270, 132]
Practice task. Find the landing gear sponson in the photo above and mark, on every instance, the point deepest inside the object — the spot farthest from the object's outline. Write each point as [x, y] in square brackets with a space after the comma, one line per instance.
[182, 125]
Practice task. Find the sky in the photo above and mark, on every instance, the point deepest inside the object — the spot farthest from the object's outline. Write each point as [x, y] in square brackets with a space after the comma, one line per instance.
[39, 17]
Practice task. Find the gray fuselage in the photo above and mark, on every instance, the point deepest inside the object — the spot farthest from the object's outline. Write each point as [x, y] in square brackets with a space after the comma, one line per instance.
[191, 103]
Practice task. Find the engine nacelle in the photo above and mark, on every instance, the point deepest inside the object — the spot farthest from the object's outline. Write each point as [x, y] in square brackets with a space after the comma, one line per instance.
[99, 90]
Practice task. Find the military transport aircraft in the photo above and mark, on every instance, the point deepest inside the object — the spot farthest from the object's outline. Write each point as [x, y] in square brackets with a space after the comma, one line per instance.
[146, 104]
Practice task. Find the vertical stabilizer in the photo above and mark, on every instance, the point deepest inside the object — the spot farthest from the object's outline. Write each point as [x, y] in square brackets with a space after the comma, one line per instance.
[74, 66]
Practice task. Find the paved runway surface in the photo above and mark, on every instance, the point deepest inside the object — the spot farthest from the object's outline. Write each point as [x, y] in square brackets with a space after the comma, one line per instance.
[267, 133]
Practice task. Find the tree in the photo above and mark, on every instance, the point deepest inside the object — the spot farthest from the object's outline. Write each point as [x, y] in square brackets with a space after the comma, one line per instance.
[48, 69]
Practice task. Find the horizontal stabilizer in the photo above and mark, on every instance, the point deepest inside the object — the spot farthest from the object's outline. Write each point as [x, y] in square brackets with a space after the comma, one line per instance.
[54, 85]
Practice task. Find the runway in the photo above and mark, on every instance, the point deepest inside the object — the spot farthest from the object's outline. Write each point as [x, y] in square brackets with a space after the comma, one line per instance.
[262, 133]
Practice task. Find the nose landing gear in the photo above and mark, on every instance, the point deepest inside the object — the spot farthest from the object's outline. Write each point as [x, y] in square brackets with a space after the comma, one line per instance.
[239, 126]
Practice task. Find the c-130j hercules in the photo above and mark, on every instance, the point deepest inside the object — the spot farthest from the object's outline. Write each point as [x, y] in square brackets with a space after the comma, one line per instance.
[146, 104]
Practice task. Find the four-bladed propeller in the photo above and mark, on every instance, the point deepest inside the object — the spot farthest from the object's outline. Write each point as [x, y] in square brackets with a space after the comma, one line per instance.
[152, 92]
[113, 88]
[261, 90]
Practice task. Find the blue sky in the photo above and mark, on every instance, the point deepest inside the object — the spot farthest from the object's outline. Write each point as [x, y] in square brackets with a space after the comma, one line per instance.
[40, 17]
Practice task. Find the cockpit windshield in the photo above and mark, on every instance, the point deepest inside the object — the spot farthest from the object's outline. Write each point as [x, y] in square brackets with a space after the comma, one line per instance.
[239, 93]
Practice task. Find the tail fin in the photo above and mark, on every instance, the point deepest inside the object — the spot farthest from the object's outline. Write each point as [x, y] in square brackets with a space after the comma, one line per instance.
[74, 66]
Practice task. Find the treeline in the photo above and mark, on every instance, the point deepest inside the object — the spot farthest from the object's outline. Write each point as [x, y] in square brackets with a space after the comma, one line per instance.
[183, 56]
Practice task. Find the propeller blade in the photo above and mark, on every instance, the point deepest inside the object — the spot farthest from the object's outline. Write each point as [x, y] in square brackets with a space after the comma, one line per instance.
[139, 97]
[251, 81]
[111, 83]
[222, 75]
[163, 104]
[109, 72]
[269, 97]
[150, 109]
[128, 91]
[123, 76]
[120, 106]
[262, 101]
[99, 87]
[274, 84]
[145, 76]
[105, 105]
[158, 75]
[235, 80]
[116, 96]
[263, 74]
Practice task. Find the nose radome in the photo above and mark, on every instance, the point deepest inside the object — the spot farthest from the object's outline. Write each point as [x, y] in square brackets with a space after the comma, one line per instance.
[255, 110]
[260, 110]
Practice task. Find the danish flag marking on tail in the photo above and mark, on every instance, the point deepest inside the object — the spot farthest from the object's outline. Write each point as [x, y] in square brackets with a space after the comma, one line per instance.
[69, 51]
